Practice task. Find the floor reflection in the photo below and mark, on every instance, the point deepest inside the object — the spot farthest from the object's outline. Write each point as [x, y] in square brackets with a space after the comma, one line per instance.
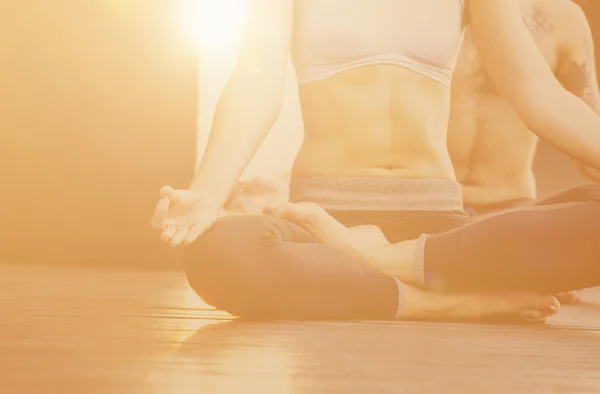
[301, 358]
[99, 331]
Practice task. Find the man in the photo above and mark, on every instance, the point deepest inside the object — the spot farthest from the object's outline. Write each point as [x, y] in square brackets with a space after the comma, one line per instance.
[491, 148]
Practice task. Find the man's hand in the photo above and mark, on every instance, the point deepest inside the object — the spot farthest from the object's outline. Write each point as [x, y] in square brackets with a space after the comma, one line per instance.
[183, 215]
[250, 197]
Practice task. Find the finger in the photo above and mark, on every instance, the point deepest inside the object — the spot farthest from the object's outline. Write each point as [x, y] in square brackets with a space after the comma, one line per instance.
[264, 185]
[180, 234]
[194, 232]
[165, 191]
[245, 183]
[161, 212]
[170, 193]
[570, 297]
[167, 234]
[288, 211]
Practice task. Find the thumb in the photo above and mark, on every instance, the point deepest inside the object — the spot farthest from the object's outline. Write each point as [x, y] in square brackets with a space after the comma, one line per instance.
[287, 211]
[173, 195]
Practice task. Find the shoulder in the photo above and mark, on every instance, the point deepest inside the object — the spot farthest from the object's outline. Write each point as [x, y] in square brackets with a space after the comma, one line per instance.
[572, 11]
[575, 34]
[567, 15]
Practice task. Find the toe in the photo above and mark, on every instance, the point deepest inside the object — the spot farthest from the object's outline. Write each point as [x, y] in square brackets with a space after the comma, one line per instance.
[550, 304]
[570, 297]
[533, 315]
[546, 305]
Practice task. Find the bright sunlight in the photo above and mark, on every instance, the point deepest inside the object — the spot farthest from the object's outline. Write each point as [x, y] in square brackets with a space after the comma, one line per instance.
[216, 25]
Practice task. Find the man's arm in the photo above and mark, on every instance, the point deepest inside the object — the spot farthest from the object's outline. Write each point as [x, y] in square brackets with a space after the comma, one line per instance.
[515, 63]
[251, 100]
[577, 67]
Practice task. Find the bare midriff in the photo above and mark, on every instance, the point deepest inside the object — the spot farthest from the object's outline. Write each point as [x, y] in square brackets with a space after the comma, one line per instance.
[375, 121]
[492, 150]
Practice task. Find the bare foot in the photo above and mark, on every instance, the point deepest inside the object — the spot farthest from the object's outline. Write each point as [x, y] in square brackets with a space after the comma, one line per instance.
[568, 298]
[524, 307]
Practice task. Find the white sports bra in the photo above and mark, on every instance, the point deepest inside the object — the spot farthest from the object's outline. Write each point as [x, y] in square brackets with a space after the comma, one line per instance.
[332, 36]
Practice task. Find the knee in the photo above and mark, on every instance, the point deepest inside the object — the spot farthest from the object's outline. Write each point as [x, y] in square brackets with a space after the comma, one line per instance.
[583, 193]
[226, 239]
[217, 264]
[590, 192]
[228, 234]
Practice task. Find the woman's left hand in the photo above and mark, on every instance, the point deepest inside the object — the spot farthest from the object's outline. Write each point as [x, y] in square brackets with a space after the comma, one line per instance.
[326, 229]
[316, 220]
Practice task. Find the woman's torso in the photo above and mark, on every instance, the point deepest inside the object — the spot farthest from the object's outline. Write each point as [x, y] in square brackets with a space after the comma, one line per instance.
[373, 86]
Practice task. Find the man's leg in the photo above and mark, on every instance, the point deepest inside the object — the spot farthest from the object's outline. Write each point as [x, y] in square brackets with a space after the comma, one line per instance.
[547, 249]
[581, 193]
[398, 226]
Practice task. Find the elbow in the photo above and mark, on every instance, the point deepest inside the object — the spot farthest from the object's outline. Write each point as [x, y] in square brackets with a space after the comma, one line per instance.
[261, 93]
[587, 172]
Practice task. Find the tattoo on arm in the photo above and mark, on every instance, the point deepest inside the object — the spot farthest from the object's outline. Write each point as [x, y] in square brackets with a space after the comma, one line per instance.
[579, 79]
[538, 24]
[577, 73]
[540, 28]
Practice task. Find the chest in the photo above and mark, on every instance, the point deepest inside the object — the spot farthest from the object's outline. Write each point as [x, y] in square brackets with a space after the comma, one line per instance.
[328, 31]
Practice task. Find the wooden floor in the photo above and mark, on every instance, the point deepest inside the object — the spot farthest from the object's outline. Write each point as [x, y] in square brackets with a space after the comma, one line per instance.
[89, 331]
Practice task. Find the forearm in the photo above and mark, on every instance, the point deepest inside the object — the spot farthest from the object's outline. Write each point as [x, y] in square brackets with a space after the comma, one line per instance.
[569, 124]
[243, 117]
[585, 170]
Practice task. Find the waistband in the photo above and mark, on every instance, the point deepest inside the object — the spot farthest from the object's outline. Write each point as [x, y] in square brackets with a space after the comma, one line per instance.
[378, 194]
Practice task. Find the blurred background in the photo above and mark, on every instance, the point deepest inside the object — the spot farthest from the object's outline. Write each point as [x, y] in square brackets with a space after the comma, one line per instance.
[102, 102]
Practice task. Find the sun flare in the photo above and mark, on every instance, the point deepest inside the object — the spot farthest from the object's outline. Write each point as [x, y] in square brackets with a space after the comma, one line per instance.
[215, 25]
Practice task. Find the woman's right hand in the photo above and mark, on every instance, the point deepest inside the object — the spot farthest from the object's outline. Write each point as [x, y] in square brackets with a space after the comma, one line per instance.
[183, 215]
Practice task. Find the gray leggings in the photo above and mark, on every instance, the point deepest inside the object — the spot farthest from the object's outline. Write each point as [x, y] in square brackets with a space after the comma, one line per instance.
[264, 267]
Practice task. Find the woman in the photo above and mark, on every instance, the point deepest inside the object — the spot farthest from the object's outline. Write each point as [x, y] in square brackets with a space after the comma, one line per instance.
[374, 83]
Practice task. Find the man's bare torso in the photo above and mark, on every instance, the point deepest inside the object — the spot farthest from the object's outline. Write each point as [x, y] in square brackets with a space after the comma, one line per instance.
[491, 148]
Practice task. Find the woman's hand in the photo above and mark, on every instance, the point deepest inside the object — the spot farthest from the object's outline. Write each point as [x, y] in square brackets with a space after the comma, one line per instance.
[329, 231]
[315, 219]
[183, 215]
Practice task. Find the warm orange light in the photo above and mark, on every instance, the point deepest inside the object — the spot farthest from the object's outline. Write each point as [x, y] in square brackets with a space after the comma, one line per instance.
[216, 25]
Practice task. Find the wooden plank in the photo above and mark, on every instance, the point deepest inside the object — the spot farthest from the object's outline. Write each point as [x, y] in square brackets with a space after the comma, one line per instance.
[73, 330]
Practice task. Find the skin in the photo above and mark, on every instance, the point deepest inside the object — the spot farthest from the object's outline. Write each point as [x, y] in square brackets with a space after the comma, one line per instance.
[492, 149]
[368, 245]
[387, 132]
[394, 122]
[251, 196]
